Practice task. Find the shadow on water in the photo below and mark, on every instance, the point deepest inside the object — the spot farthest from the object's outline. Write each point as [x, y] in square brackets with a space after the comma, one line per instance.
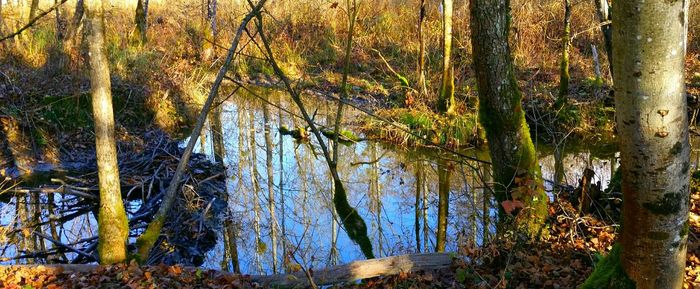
[413, 200]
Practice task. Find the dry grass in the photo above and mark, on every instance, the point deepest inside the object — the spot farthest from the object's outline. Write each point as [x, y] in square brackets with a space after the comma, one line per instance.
[170, 74]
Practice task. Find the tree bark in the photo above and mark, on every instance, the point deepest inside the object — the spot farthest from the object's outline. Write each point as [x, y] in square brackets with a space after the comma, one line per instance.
[113, 225]
[649, 45]
[516, 172]
[446, 100]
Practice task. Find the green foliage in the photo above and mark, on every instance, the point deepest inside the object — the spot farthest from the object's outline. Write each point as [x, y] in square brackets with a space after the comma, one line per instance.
[609, 273]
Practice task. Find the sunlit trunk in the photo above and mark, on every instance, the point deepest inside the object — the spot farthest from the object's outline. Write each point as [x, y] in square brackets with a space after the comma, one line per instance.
[446, 100]
[649, 45]
[113, 224]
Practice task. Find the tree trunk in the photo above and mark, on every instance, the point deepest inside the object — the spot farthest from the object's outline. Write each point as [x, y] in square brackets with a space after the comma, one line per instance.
[564, 66]
[604, 15]
[421, 51]
[419, 193]
[33, 8]
[500, 111]
[446, 100]
[270, 186]
[113, 225]
[649, 50]
[443, 204]
[259, 245]
[140, 36]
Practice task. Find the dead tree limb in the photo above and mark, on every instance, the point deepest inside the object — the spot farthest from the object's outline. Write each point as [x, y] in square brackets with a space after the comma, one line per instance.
[359, 270]
[147, 240]
[350, 272]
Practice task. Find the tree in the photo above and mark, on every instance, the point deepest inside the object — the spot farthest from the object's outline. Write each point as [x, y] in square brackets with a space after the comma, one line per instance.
[421, 51]
[604, 16]
[649, 46]
[515, 168]
[141, 22]
[34, 6]
[564, 65]
[446, 100]
[113, 227]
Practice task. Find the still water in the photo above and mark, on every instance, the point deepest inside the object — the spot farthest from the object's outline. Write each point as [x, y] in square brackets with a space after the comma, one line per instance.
[394, 189]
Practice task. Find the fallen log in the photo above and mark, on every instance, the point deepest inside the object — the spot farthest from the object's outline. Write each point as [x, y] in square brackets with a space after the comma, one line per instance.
[359, 270]
[350, 272]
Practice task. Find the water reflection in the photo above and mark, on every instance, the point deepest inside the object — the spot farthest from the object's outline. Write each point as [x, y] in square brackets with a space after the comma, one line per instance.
[412, 200]
[280, 211]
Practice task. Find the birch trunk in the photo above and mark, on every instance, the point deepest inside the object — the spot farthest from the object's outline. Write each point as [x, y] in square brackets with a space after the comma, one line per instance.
[113, 228]
[649, 45]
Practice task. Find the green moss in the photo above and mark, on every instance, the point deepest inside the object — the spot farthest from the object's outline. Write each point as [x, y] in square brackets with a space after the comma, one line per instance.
[677, 148]
[609, 273]
[685, 229]
[352, 222]
[148, 239]
[669, 204]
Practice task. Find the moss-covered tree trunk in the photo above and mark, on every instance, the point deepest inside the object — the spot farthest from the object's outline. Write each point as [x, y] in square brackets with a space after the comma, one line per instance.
[516, 171]
[649, 45]
[446, 99]
[564, 65]
[113, 227]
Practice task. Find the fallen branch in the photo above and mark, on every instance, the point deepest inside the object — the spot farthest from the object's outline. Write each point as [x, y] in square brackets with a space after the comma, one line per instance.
[350, 272]
[359, 270]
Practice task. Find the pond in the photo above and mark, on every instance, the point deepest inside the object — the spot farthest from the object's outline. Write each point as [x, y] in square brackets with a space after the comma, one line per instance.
[278, 186]
[395, 189]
